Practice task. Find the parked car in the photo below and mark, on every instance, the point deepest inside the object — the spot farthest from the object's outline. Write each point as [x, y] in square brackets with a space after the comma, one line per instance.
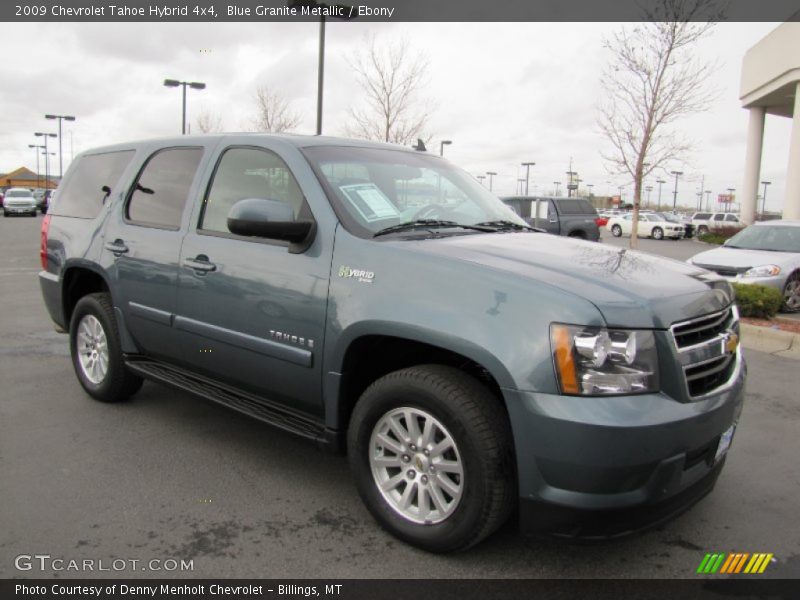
[651, 225]
[688, 228]
[472, 367]
[705, 221]
[572, 217]
[767, 253]
[19, 201]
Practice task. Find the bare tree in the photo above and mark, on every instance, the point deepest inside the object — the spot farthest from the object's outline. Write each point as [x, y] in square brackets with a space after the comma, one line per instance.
[390, 77]
[208, 122]
[273, 112]
[653, 80]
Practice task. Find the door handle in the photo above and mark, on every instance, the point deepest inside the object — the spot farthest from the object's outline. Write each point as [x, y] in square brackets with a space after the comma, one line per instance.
[117, 247]
[200, 264]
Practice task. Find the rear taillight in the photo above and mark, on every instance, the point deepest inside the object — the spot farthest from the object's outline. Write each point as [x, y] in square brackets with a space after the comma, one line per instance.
[598, 221]
[43, 245]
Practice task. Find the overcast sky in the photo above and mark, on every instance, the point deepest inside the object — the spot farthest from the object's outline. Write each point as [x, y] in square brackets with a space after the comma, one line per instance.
[504, 93]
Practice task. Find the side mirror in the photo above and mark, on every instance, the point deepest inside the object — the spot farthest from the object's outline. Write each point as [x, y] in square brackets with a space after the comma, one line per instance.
[260, 217]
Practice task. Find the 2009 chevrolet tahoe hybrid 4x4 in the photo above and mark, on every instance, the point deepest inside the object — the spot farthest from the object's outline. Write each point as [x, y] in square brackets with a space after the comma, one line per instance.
[378, 299]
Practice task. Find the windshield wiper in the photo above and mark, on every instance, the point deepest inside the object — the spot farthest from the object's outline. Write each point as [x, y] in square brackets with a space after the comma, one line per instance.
[428, 223]
[503, 225]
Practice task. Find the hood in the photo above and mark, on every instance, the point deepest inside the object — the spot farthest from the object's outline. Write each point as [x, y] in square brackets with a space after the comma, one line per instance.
[740, 259]
[631, 289]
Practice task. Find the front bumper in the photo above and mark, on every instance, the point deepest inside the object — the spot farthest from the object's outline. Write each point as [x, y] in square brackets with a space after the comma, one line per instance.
[622, 462]
[19, 208]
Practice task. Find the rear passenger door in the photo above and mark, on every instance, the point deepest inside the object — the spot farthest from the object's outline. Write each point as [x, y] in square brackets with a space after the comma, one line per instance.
[249, 312]
[142, 244]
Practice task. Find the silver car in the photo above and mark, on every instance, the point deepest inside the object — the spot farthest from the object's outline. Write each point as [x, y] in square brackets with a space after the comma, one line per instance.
[19, 201]
[767, 253]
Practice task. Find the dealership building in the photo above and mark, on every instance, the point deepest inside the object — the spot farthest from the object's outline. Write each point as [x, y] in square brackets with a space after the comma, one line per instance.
[770, 84]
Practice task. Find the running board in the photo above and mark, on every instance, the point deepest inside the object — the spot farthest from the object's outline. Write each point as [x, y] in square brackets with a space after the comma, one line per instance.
[254, 406]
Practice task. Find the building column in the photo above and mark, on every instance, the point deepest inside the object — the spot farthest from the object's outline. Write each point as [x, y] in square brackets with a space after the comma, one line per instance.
[791, 202]
[752, 164]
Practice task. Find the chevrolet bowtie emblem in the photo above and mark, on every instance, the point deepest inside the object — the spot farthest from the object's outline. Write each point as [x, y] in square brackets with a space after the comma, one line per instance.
[731, 343]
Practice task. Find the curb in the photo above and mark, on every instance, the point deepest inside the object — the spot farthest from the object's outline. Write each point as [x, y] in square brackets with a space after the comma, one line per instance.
[771, 341]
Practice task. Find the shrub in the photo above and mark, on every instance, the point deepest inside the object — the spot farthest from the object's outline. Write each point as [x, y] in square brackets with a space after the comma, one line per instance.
[718, 235]
[757, 301]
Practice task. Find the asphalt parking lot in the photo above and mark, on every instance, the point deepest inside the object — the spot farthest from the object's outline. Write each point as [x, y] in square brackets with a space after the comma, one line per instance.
[170, 476]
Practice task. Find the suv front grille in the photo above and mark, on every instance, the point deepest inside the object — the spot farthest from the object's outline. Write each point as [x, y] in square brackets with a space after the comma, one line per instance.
[708, 350]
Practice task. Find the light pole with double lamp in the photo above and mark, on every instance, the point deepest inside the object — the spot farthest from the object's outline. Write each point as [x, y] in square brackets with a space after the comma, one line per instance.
[527, 166]
[660, 182]
[60, 161]
[195, 85]
[442, 144]
[675, 192]
[491, 175]
[46, 158]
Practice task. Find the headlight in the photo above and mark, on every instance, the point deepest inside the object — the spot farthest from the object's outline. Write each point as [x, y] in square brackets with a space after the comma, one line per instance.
[597, 361]
[762, 271]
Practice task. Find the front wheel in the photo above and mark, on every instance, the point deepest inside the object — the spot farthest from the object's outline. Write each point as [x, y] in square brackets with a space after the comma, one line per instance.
[96, 351]
[657, 233]
[616, 230]
[791, 293]
[702, 230]
[430, 448]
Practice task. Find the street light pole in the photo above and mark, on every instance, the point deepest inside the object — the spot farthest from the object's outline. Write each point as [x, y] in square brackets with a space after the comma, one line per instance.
[730, 199]
[648, 189]
[675, 192]
[764, 198]
[527, 166]
[660, 182]
[480, 178]
[708, 200]
[36, 148]
[46, 160]
[195, 85]
[491, 175]
[442, 144]
[60, 160]
[558, 185]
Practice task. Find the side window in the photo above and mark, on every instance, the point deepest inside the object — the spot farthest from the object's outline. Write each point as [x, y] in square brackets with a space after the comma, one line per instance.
[160, 193]
[731, 218]
[248, 173]
[81, 194]
[719, 217]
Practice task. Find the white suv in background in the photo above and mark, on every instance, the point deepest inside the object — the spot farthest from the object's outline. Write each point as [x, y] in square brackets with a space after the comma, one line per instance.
[708, 221]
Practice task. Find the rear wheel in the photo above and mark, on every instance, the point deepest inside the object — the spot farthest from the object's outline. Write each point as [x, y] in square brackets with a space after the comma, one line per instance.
[430, 448]
[616, 230]
[96, 351]
[657, 233]
[702, 230]
[791, 293]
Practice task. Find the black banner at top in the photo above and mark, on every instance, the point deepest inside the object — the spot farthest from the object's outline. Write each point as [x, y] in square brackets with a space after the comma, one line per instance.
[390, 10]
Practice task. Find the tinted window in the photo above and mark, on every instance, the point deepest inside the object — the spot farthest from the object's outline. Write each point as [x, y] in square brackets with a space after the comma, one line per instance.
[248, 173]
[702, 216]
[719, 217]
[19, 194]
[575, 207]
[731, 218]
[81, 193]
[162, 188]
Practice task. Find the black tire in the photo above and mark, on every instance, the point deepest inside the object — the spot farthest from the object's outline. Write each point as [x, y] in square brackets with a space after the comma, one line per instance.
[616, 231]
[118, 383]
[791, 294]
[478, 424]
[702, 230]
[657, 233]
[581, 235]
[5, 213]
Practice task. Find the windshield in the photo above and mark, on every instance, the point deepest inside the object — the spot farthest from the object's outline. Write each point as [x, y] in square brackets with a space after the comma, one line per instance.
[19, 194]
[771, 237]
[374, 189]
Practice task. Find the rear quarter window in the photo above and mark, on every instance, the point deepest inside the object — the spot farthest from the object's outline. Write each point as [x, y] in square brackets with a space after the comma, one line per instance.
[81, 193]
[576, 207]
